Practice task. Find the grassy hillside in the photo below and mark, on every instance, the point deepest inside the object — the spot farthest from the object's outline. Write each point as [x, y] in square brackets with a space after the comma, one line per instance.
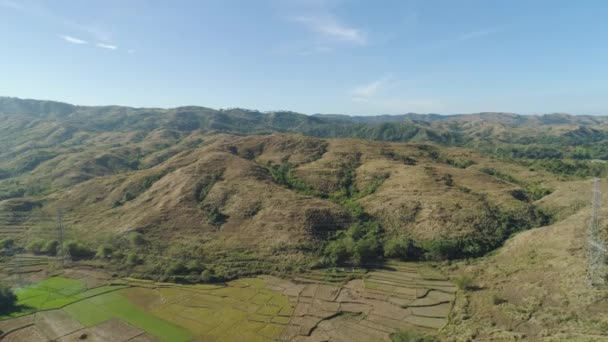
[239, 205]
[194, 193]
[534, 288]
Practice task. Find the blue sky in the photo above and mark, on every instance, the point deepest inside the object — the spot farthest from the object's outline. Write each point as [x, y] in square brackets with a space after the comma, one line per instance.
[311, 56]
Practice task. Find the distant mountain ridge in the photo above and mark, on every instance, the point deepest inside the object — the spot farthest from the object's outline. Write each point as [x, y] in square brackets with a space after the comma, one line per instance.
[61, 121]
[13, 105]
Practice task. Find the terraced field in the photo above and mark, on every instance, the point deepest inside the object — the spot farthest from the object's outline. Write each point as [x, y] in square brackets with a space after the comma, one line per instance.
[24, 264]
[82, 305]
[399, 296]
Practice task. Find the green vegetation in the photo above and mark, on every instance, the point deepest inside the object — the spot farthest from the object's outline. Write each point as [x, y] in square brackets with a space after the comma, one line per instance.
[104, 251]
[411, 336]
[41, 246]
[400, 247]
[7, 243]
[78, 250]
[282, 174]
[215, 217]
[8, 299]
[53, 293]
[359, 245]
[464, 282]
[95, 310]
[205, 185]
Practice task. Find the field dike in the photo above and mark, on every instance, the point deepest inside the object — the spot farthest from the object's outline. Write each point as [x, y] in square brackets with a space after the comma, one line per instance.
[394, 296]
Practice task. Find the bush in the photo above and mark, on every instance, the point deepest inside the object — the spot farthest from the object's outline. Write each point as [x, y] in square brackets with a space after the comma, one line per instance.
[78, 250]
[104, 252]
[216, 218]
[194, 266]
[136, 239]
[7, 243]
[441, 249]
[176, 268]
[35, 246]
[401, 247]
[464, 283]
[359, 245]
[207, 277]
[8, 299]
[132, 259]
[50, 247]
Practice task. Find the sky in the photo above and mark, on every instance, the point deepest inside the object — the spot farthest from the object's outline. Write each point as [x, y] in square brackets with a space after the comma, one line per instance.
[355, 57]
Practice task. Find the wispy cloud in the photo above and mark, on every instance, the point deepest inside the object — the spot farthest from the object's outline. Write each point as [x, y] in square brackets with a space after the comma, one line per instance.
[73, 40]
[368, 90]
[92, 31]
[106, 46]
[329, 28]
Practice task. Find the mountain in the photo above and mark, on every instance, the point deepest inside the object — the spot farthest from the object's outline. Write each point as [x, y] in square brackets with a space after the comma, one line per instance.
[242, 181]
[165, 193]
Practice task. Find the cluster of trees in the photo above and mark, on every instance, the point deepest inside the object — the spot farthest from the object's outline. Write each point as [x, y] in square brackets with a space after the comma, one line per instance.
[366, 241]
[77, 250]
[8, 299]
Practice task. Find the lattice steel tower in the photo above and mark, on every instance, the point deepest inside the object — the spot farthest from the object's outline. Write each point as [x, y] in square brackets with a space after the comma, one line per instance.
[596, 247]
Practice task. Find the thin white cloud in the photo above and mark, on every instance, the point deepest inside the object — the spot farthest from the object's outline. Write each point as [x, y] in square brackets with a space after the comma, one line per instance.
[106, 46]
[330, 29]
[366, 91]
[73, 40]
[369, 90]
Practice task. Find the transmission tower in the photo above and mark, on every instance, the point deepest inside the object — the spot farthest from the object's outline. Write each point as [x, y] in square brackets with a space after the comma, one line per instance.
[17, 269]
[596, 247]
[63, 253]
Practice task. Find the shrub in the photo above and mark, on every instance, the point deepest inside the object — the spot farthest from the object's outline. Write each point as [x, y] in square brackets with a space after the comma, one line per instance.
[497, 300]
[464, 282]
[360, 244]
[104, 252]
[50, 247]
[216, 218]
[35, 246]
[194, 266]
[447, 179]
[132, 259]
[136, 239]
[441, 249]
[176, 268]
[401, 247]
[336, 252]
[207, 276]
[8, 299]
[78, 250]
[7, 243]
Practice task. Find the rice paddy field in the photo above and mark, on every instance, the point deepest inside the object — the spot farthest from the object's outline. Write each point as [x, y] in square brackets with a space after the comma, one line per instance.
[80, 305]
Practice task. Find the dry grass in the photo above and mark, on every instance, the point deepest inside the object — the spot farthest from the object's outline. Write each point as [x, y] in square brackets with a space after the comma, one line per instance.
[534, 287]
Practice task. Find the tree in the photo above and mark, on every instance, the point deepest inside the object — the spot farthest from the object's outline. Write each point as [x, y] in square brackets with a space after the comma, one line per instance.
[8, 299]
